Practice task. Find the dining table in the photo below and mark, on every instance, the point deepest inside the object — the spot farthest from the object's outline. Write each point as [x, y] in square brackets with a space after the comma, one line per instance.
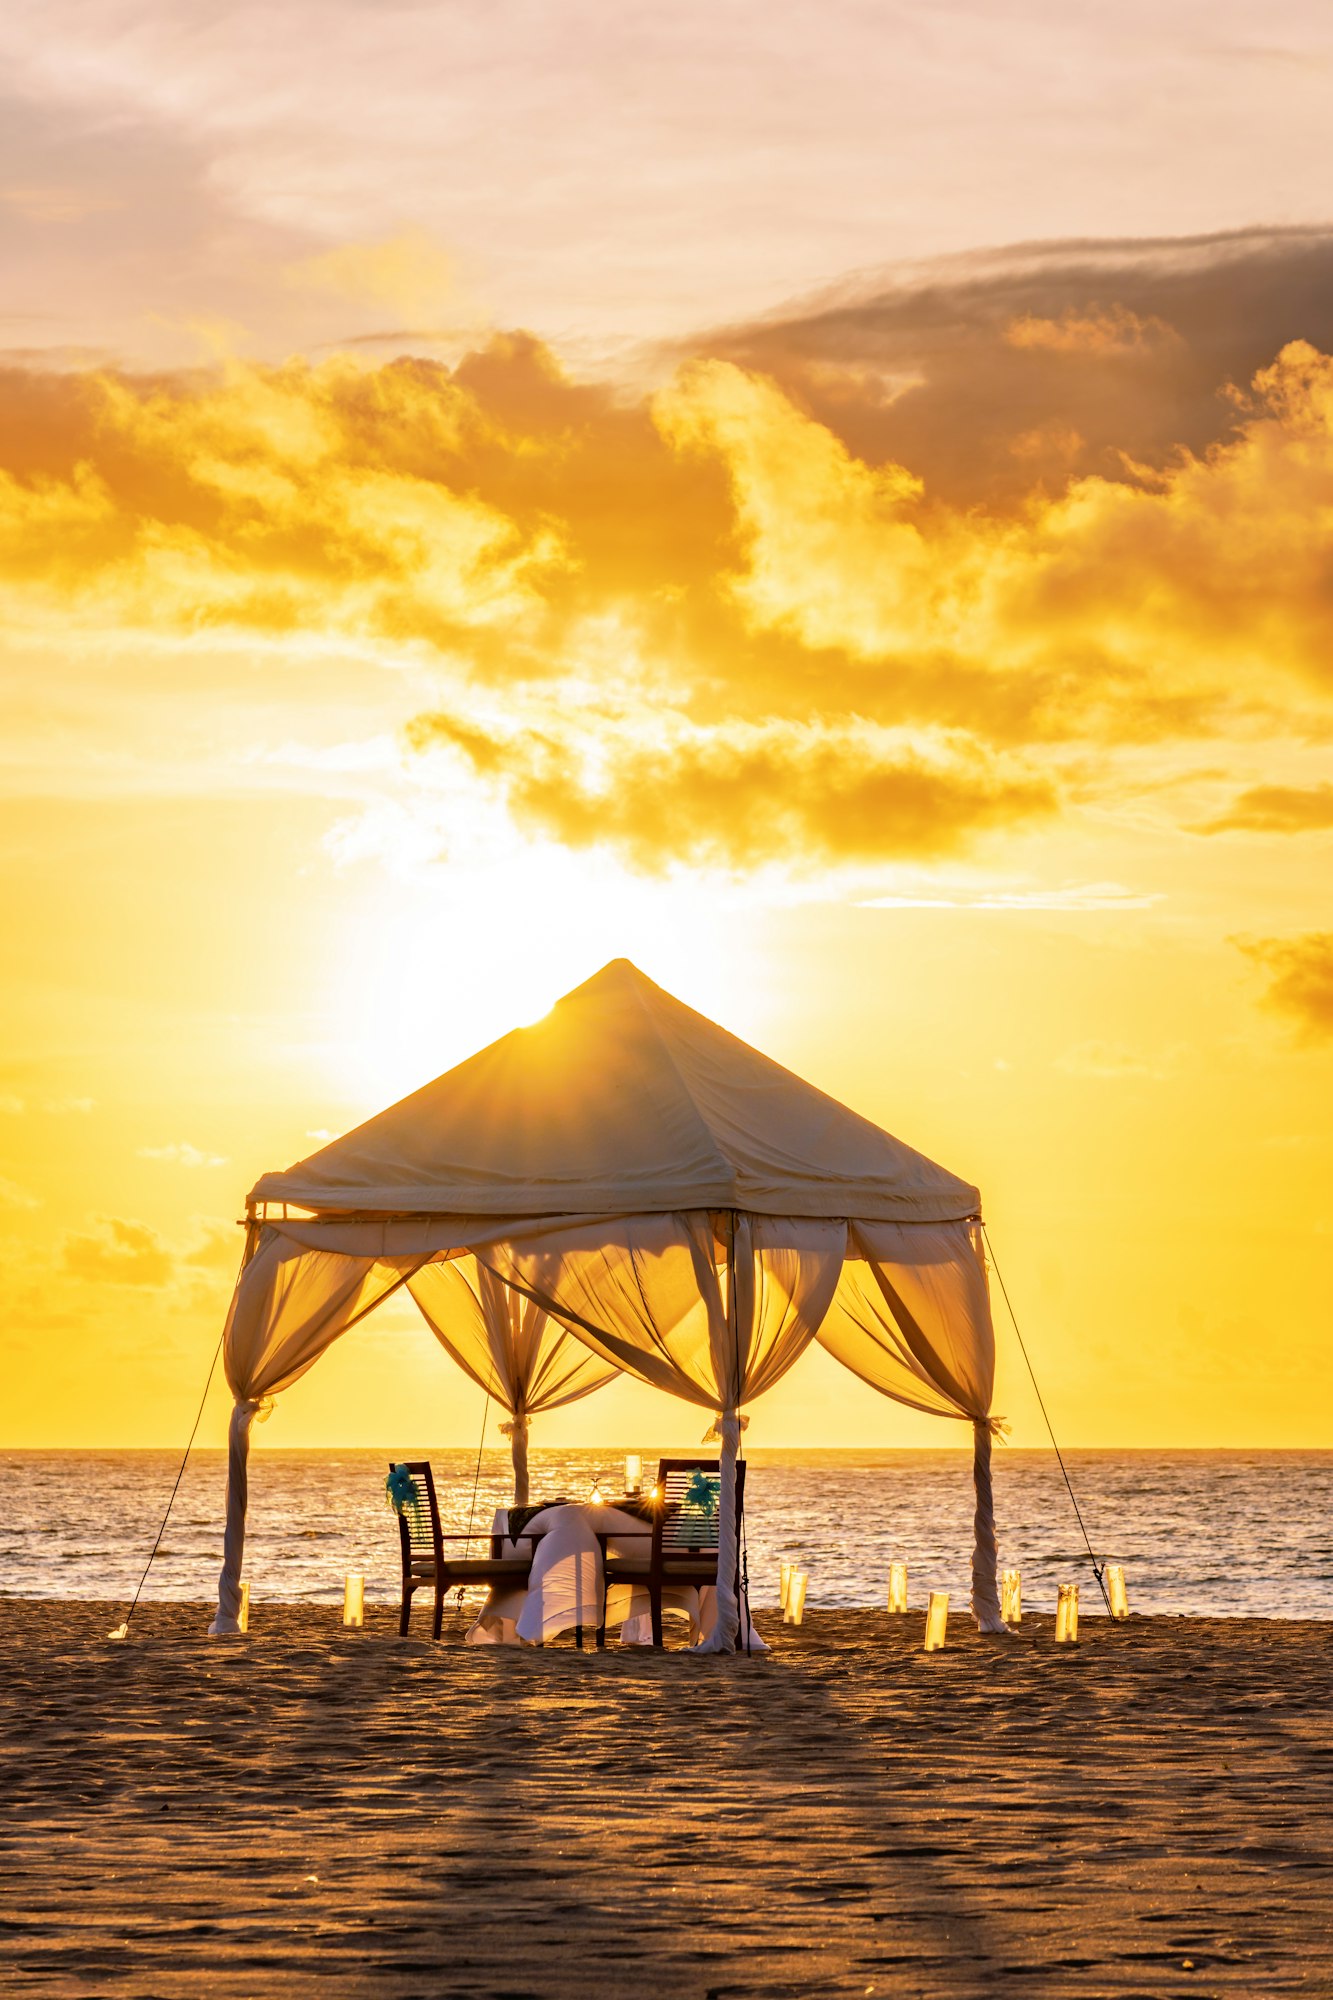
[566, 1589]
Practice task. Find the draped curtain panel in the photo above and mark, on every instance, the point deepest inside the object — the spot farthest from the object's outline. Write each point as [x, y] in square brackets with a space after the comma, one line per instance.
[650, 1293]
[290, 1304]
[654, 1295]
[710, 1306]
[509, 1346]
[911, 1316]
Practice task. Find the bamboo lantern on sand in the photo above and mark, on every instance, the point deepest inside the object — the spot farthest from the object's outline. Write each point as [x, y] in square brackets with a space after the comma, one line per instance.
[243, 1615]
[1115, 1590]
[937, 1617]
[354, 1601]
[1011, 1597]
[1066, 1615]
[897, 1586]
[795, 1612]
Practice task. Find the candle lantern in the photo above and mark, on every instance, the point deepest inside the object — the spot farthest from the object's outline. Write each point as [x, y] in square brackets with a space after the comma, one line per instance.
[795, 1612]
[897, 1586]
[1115, 1590]
[354, 1600]
[784, 1582]
[595, 1497]
[937, 1617]
[1066, 1615]
[633, 1472]
[1011, 1597]
[243, 1615]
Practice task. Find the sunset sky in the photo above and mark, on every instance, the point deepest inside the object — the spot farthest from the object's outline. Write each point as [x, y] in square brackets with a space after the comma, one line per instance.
[832, 503]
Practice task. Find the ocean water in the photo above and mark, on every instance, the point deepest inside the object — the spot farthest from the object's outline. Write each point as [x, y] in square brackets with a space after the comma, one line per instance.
[1235, 1533]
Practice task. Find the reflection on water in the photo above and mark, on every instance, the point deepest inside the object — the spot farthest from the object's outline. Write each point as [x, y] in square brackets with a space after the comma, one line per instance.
[1226, 1533]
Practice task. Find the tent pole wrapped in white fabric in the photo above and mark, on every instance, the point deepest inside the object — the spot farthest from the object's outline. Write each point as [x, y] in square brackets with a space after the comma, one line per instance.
[627, 1176]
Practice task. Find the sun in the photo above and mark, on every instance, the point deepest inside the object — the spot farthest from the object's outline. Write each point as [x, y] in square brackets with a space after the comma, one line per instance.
[430, 966]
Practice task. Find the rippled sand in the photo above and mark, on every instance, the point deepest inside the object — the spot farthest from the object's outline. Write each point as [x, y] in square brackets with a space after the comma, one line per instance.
[300, 1812]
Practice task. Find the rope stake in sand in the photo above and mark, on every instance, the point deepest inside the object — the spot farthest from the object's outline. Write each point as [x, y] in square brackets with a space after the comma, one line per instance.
[1041, 1403]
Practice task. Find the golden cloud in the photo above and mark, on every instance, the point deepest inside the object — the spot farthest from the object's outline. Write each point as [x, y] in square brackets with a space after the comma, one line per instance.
[718, 627]
[1276, 809]
[409, 273]
[739, 794]
[1300, 978]
[1097, 330]
[300, 499]
[118, 1252]
[1198, 585]
[921, 371]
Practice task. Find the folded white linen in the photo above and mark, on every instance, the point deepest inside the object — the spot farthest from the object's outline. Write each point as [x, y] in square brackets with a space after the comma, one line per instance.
[564, 1587]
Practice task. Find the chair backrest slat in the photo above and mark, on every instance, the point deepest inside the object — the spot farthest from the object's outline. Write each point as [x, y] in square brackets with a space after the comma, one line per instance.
[419, 1521]
[686, 1521]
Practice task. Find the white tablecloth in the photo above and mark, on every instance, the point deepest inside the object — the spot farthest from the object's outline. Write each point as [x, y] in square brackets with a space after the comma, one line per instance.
[564, 1588]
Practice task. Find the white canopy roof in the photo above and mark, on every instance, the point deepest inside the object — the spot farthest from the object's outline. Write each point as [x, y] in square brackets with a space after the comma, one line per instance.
[620, 1100]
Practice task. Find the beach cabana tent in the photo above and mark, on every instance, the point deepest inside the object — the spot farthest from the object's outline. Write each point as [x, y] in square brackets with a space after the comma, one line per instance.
[640, 1191]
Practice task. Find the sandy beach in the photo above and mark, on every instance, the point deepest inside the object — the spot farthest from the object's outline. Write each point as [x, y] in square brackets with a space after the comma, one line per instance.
[301, 1811]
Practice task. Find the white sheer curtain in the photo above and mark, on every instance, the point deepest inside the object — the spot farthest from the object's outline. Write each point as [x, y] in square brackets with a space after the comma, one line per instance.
[653, 1294]
[509, 1346]
[911, 1316]
[908, 1311]
[290, 1304]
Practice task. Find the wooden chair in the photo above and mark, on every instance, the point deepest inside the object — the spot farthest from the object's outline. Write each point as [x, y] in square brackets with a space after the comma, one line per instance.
[683, 1544]
[425, 1562]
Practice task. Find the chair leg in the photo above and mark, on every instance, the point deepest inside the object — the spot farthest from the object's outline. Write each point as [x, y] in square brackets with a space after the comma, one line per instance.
[405, 1615]
[438, 1620]
[655, 1606]
[578, 1637]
